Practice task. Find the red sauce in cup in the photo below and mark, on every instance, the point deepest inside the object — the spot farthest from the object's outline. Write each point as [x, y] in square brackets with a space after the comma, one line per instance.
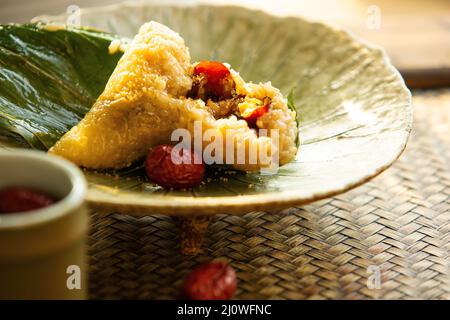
[18, 199]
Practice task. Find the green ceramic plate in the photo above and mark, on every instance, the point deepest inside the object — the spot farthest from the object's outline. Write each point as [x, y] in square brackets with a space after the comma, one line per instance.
[354, 110]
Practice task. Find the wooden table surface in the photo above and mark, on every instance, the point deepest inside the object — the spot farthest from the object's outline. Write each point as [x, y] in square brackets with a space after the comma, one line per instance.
[415, 33]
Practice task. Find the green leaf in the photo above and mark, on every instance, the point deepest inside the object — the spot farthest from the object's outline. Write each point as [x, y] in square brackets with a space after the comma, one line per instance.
[291, 106]
[50, 79]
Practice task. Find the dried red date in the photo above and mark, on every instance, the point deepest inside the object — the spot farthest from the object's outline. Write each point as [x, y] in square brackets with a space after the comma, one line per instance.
[216, 81]
[173, 170]
[211, 281]
[23, 199]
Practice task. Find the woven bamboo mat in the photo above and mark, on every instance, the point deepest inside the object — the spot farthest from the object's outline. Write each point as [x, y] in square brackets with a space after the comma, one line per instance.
[397, 224]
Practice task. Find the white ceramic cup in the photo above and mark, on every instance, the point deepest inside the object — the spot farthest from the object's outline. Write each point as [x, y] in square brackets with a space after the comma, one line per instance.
[43, 252]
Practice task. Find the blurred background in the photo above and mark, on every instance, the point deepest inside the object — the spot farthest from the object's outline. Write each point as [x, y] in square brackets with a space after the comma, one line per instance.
[415, 33]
